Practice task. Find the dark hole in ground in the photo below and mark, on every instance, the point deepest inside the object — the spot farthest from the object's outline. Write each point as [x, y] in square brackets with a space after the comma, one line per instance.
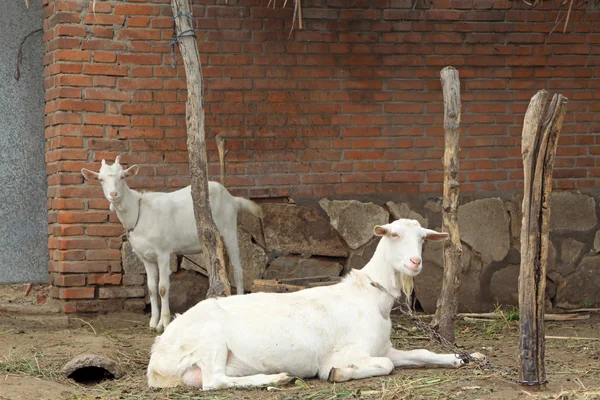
[90, 375]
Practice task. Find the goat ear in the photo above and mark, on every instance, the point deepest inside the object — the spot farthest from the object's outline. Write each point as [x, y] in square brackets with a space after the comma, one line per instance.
[435, 236]
[87, 174]
[131, 171]
[381, 230]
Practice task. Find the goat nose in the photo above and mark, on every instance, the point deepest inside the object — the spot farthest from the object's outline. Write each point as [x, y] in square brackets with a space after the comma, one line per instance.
[415, 260]
[113, 194]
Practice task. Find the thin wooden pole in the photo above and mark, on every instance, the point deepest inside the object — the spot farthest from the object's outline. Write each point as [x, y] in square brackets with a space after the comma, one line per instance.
[447, 304]
[541, 130]
[210, 239]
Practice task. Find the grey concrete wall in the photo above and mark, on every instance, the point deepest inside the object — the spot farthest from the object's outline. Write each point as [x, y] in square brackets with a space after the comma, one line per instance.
[23, 185]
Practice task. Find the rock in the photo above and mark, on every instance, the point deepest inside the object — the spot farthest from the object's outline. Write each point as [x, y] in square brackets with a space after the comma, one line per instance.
[570, 250]
[572, 211]
[551, 266]
[131, 262]
[253, 259]
[361, 256]
[194, 262]
[251, 224]
[91, 360]
[117, 292]
[504, 286]
[299, 267]
[135, 305]
[300, 230]
[428, 283]
[581, 288]
[484, 225]
[401, 210]
[516, 217]
[434, 204]
[354, 220]
[187, 289]
[596, 248]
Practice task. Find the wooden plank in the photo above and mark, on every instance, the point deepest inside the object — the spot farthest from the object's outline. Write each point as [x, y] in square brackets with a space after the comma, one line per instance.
[272, 286]
[447, 303]
[309, 280]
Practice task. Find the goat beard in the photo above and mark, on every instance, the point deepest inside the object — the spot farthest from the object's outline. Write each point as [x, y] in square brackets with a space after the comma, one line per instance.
[406, 284]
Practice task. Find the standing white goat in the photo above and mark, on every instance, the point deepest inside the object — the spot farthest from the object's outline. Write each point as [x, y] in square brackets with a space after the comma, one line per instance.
[160, 224]
[338, 332]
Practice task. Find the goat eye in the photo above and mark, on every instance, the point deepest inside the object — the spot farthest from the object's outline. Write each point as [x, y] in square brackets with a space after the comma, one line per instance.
[395, 235]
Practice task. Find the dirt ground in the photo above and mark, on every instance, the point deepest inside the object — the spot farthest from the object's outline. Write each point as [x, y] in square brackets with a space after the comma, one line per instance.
[36, 343]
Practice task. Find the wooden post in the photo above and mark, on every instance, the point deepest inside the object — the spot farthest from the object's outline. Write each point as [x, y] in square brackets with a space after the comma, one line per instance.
[447, 304]
[210, 239]
[541, 130]
[222, 153]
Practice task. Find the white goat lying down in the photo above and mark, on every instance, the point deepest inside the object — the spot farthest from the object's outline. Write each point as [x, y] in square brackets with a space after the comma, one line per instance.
[338, 332]
[160, 224]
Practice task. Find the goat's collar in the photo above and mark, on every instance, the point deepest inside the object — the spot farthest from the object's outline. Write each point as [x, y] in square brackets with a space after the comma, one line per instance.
[377, 285]
[129, 230]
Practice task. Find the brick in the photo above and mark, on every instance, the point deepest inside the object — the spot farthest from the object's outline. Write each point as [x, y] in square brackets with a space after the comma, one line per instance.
[104, 279]
[120, 292]
[72, 55]
[99, 19]
[99, 69]
[77, 266]
[107, 94]
[76, 293]
[137, 9]
[107, 120]
[140, 59]
[137, 109]
[68, 280]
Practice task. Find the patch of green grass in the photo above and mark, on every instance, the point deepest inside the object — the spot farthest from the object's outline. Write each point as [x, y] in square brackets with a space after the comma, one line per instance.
[13, 364]
[507, 319]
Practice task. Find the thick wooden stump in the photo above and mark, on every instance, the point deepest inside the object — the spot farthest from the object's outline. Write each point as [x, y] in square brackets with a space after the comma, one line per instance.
[541, 130]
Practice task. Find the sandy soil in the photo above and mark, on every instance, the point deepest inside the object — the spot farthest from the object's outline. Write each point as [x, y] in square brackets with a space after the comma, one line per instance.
[33, 349]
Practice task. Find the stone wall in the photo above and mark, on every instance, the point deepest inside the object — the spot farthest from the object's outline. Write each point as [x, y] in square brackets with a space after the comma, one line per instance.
[295, 241]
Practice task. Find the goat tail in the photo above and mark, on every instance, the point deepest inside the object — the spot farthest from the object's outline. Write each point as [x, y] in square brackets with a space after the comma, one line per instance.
[250, 206]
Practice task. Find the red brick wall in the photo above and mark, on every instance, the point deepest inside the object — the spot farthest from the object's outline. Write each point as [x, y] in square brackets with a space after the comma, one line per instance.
[349, 106]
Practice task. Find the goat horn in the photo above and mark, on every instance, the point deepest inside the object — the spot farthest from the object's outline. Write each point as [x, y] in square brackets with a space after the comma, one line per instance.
[117, 160]
[103, 162]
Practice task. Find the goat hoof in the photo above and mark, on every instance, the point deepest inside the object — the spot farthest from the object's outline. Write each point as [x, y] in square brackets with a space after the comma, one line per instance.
[478, 357]
[284, 379]
[333, 375]
[159, 328]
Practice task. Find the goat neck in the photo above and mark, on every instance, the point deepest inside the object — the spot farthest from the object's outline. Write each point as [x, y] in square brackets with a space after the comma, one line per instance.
[128, 207]
[381, 271]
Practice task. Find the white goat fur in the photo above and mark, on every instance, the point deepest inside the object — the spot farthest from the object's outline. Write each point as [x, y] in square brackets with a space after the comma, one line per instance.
[166, 225]
[338, 332]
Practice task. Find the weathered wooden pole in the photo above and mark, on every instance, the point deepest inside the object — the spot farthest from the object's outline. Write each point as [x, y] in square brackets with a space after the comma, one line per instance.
[447, 303]
[541, 130]
[210, 239]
